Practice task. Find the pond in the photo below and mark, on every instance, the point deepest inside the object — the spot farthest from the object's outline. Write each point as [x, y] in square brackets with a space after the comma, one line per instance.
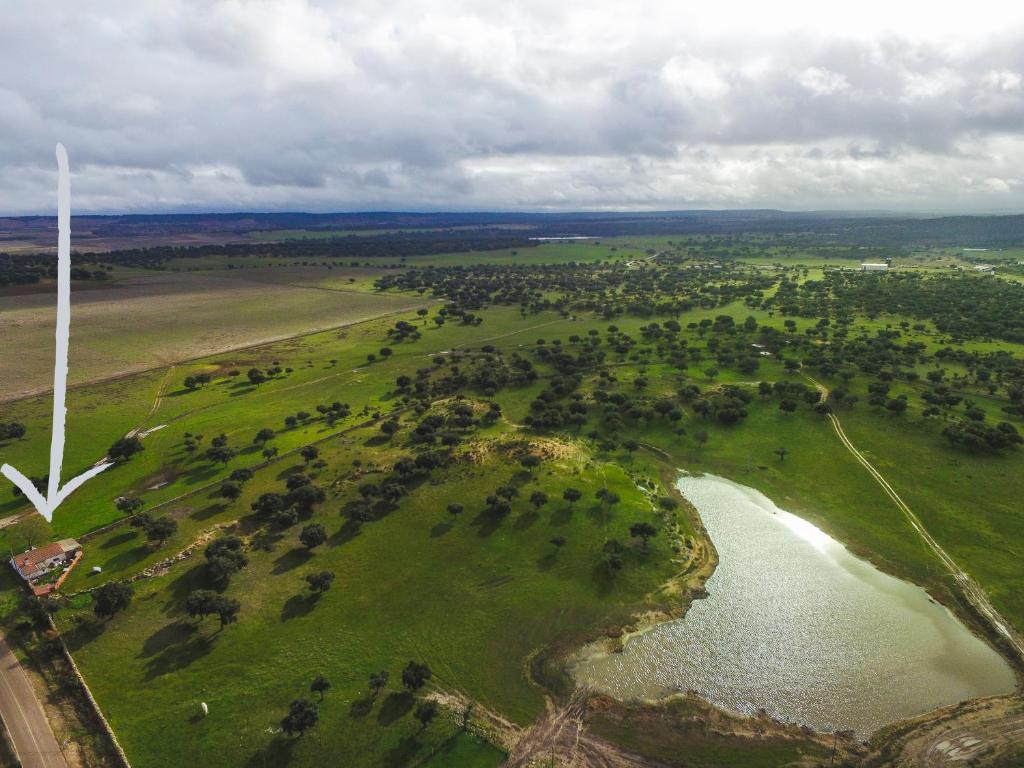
[797, 626]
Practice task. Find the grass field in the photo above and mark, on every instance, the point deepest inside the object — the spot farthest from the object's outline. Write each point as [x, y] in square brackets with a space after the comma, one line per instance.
[150, 321]
[503, 590]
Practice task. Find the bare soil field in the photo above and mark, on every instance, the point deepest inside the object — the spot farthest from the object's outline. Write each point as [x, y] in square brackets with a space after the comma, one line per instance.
[153, 320]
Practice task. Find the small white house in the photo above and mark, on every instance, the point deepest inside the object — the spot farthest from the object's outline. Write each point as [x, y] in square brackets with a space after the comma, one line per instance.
[869, 266]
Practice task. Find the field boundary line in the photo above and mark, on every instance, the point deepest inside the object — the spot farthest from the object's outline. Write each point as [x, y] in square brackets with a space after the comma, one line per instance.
[88, 695]
[4, 400]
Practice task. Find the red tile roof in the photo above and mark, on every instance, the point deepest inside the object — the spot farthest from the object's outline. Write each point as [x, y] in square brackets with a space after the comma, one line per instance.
[29, 561]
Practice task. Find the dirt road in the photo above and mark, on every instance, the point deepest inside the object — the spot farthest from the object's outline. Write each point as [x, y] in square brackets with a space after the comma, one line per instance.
[560, 738]
[968, 586]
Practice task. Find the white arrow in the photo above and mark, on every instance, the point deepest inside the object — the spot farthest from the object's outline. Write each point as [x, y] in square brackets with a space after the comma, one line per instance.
[55, 494]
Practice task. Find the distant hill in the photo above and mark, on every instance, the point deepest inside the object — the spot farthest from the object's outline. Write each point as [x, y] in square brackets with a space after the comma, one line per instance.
[102, 233]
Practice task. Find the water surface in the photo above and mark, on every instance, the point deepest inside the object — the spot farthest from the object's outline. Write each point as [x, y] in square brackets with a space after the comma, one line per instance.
[799, 627]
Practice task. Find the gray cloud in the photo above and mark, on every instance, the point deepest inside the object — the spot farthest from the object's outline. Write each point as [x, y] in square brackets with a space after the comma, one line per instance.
[290, 104]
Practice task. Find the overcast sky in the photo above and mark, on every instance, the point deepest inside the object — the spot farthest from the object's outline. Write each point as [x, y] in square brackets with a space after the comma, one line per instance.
[320, 106]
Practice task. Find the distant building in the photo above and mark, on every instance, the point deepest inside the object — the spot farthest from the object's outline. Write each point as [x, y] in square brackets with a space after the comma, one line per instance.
[868, 266]
[38, 562]
[986, 268]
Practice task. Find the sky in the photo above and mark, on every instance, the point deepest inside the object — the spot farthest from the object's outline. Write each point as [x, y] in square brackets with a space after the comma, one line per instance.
[556, 105]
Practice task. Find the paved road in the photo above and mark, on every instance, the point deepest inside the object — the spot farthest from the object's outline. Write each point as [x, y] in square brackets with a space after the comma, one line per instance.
[23, 716]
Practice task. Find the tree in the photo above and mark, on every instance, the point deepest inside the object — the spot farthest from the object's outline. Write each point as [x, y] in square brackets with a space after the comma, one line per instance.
[220, 454]
[256, 376]
[643, 531]
[224, 558]
[267, 504]
[305, 497]
[787, 405]
[389, 428]
[530, 462]
[302, 715]
[538, 499]
[241, 475]
[124, 448]
[129, 505]
[199, 603]
[507, 492]
[160, 530]
[230, 491]
[426, 712]
[572, 495]
[378, 681]
[226, 610]
[14, 430]
[111, 598]
[781, 453]
[557, 542]
[263, 436]
[613, 550]
[455, 510]
[700, 436]
[415, 675]
[309, 453]
[320, 685]
[312, 535]
[320, 582]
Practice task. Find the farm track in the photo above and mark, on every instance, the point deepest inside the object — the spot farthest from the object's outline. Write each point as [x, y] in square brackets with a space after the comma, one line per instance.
[969, 588]
[560, 738]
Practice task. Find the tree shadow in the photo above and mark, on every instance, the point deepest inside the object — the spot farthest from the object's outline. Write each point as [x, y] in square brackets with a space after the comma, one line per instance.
[127, 558]
[441, 529]
[361, 707]
[376, 440]
[208, 511]
[561, 515]
[604, 579]
[121, 538]
[291, 560]
[165, 637]
[348, 531]
[547, 562]
[279, 752]
[266, 541]
[200, 474]
[403, 753]
[598, 514]
[297, 606]
[525, 520]
[395, 706]
[193, 578]
[82, 634]
[178, 656]
[287, 472]
[488, 521]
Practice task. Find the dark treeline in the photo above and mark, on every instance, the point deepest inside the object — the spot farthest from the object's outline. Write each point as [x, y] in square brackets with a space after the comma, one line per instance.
[860, 229]
[29, 268]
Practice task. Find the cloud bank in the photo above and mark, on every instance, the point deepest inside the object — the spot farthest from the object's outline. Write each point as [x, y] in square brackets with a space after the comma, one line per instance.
[320, 106]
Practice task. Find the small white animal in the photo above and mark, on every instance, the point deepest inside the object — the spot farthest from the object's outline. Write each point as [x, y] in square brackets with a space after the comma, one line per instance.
[206, 709]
